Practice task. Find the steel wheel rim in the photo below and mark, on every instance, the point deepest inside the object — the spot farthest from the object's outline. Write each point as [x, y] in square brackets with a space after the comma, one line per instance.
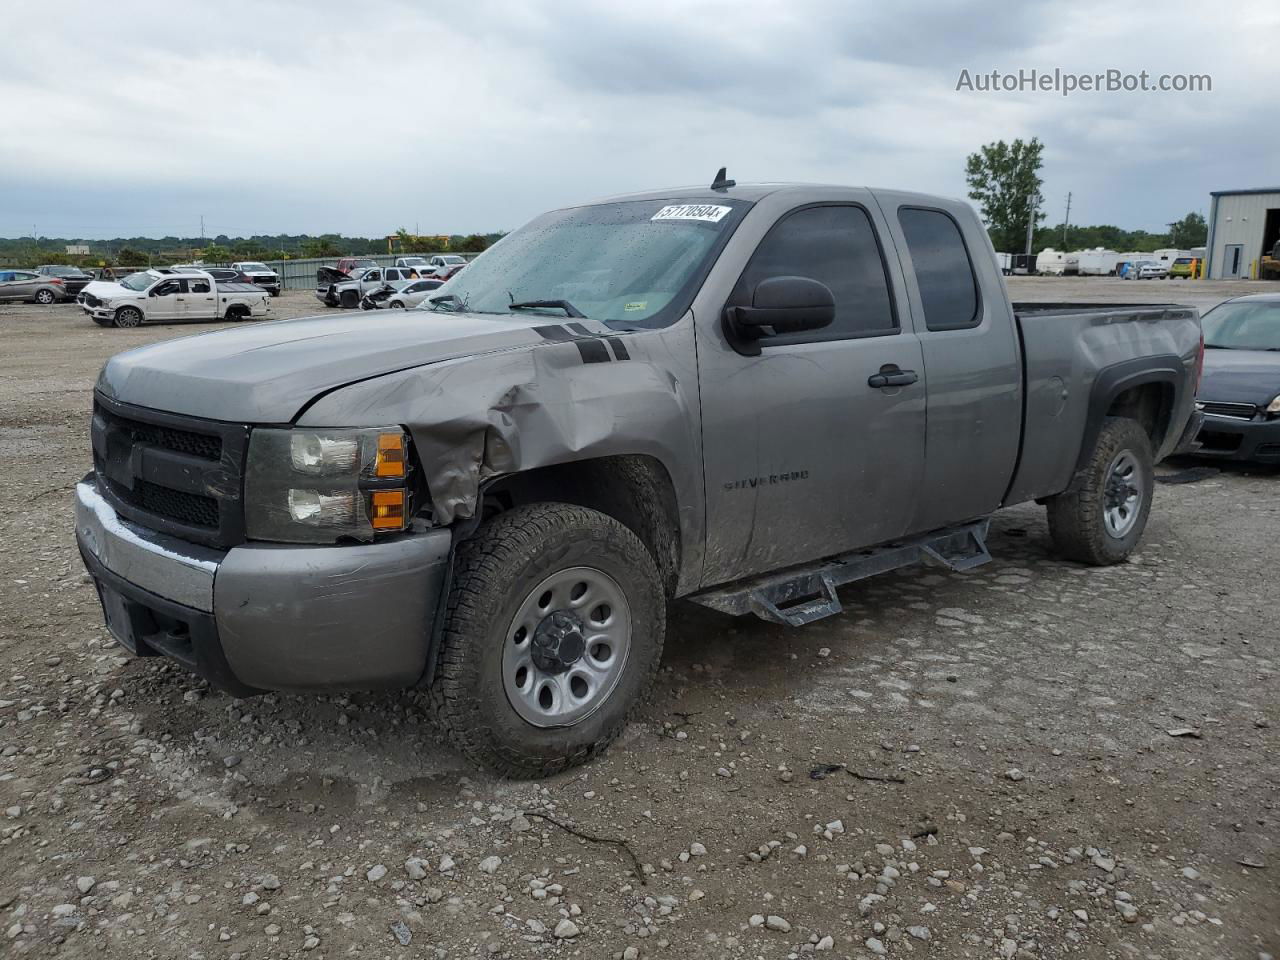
[551, 696]
[1123, 495]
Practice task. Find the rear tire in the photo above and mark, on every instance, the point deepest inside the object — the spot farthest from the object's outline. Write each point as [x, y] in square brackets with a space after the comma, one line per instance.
[45, 297]
[128, 317]
[1101, 522]
[497, 625]
[236, 313]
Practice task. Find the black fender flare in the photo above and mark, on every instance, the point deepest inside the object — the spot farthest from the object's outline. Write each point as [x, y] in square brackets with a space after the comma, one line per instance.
[1112, 381]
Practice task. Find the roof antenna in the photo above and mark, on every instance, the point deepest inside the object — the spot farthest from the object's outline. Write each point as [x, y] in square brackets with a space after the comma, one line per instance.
[722, 182]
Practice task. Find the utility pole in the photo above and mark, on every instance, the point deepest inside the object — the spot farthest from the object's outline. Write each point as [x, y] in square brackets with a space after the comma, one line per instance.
[1066, 220]
[202, 229]
[1031, 223]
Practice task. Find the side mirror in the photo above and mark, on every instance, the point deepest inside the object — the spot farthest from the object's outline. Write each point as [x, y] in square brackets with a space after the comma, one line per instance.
[781, 306]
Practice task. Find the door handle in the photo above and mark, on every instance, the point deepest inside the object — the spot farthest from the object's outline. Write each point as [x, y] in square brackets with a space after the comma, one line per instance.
[891, 376]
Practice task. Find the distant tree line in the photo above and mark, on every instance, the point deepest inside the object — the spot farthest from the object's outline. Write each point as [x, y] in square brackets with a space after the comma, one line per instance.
[143, 251]
[1004, 181]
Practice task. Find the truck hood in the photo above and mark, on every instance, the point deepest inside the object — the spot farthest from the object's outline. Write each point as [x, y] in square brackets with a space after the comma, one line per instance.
[266, 373]
[1240, 376]
[107, 290]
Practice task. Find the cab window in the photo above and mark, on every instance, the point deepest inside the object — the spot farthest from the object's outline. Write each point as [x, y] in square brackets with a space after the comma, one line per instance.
[837, 246]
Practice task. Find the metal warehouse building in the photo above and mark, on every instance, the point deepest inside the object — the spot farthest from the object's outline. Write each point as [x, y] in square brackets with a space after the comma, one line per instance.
[1244, 226]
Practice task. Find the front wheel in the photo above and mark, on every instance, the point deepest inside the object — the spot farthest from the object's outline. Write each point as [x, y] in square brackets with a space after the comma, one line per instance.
[553, 633]
[128, 317]
[396, 305]
[1101, 522]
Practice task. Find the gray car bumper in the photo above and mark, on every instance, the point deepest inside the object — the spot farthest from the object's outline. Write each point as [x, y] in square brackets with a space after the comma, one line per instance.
[266, 616]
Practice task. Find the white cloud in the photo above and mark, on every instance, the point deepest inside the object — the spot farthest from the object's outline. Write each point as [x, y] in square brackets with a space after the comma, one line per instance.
[285, 116]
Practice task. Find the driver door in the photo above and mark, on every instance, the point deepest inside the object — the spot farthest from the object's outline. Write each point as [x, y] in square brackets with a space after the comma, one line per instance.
[806, 452]
[167, 300]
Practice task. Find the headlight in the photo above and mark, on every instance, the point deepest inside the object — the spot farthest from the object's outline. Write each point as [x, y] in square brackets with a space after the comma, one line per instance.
[1274, 406]
[320, 486]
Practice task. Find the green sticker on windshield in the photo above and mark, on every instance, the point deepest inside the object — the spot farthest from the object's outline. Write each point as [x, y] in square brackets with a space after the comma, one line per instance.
[635, 305]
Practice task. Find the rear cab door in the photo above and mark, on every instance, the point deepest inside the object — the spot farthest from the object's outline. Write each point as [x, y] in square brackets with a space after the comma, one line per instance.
[201, 301]
[961, 313]
[804, 455]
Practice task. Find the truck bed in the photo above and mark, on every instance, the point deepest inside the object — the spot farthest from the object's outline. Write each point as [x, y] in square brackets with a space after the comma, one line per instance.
[1067, 349]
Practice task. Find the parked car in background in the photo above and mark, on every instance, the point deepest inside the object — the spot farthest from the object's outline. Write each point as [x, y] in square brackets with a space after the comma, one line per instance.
[221, 274]
[1184, 268]
[406, 296]
[443, 263]
[337, 289]
[417, 264]
[1142, 270]
[73, 278]
[617, 406]
[27, 286]
[261, 274]
[1240, 389]
[151, 296]
[349, 264]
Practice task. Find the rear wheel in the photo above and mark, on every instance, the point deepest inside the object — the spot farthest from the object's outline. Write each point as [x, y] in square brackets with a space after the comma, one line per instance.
[128, 317]
[1101, 522]
[552, 634]
[45, 297]
[237, 312]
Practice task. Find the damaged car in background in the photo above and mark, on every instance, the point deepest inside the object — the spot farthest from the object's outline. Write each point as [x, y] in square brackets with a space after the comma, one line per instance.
[337, 289]
[494, 498]
[400, 297]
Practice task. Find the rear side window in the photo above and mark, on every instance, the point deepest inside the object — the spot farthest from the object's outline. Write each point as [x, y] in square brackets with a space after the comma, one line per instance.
[835, 245]
[944, 273]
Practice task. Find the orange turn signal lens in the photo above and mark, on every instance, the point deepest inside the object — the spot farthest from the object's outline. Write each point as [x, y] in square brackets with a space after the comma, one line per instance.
[386, 509]
[391, 458]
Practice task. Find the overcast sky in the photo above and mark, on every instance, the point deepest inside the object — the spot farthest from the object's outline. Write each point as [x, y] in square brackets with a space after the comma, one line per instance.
[276, 116]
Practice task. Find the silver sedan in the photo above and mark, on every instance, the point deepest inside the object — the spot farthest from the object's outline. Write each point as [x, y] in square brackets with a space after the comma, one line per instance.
[29, 287]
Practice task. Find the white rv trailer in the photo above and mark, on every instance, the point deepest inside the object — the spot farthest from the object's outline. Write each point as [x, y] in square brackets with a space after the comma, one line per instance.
[1055, 263]
[1098, 262]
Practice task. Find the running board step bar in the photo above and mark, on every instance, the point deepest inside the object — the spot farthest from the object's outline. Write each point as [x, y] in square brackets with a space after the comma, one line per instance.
[802, 595]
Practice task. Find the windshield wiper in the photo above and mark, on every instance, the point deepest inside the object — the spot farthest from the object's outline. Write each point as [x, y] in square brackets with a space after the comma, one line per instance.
[445, 298]
[564, 305]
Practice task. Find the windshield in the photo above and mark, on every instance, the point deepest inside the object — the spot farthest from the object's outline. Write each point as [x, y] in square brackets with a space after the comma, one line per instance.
[635, 263]
[1243, 325]
[64, 272]
[137, 281]
[258, 267]
[412, 261]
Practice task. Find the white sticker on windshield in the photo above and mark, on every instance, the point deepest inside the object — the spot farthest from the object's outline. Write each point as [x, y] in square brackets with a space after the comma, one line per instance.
[707, 212]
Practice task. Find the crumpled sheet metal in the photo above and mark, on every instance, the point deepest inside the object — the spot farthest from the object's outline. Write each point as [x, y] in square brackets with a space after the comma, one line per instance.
[480, 417]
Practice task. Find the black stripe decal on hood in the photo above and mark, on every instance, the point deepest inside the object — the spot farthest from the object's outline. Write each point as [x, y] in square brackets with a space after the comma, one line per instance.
[553, 332]
[593, 351]
[619, 348]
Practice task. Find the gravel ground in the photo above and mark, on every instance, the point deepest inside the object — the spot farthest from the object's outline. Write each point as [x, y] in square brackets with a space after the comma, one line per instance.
[1039, 759]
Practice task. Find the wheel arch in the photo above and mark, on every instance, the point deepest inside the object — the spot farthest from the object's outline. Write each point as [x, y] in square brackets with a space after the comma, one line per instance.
[634, 489]
[1143, 389]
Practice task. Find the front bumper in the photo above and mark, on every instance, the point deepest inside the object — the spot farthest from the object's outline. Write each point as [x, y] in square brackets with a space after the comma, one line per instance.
[1229, 438]
[267, 616]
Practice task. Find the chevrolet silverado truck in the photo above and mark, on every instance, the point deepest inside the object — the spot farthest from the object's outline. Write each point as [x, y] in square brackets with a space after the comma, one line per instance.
[153, 296]
[747, 396]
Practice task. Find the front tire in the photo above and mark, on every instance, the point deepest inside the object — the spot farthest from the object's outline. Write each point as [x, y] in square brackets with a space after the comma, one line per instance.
[349, 299]
[1101, 522]
[128, 317]
[553, 632]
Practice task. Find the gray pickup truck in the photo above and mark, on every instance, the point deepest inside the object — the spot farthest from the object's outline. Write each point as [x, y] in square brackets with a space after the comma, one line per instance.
[741, 395]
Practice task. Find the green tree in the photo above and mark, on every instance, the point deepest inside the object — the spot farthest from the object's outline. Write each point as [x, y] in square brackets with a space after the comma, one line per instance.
[216, 253]
[129, 257]
[325, 246]
[1004, 180]
[1190, 231]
